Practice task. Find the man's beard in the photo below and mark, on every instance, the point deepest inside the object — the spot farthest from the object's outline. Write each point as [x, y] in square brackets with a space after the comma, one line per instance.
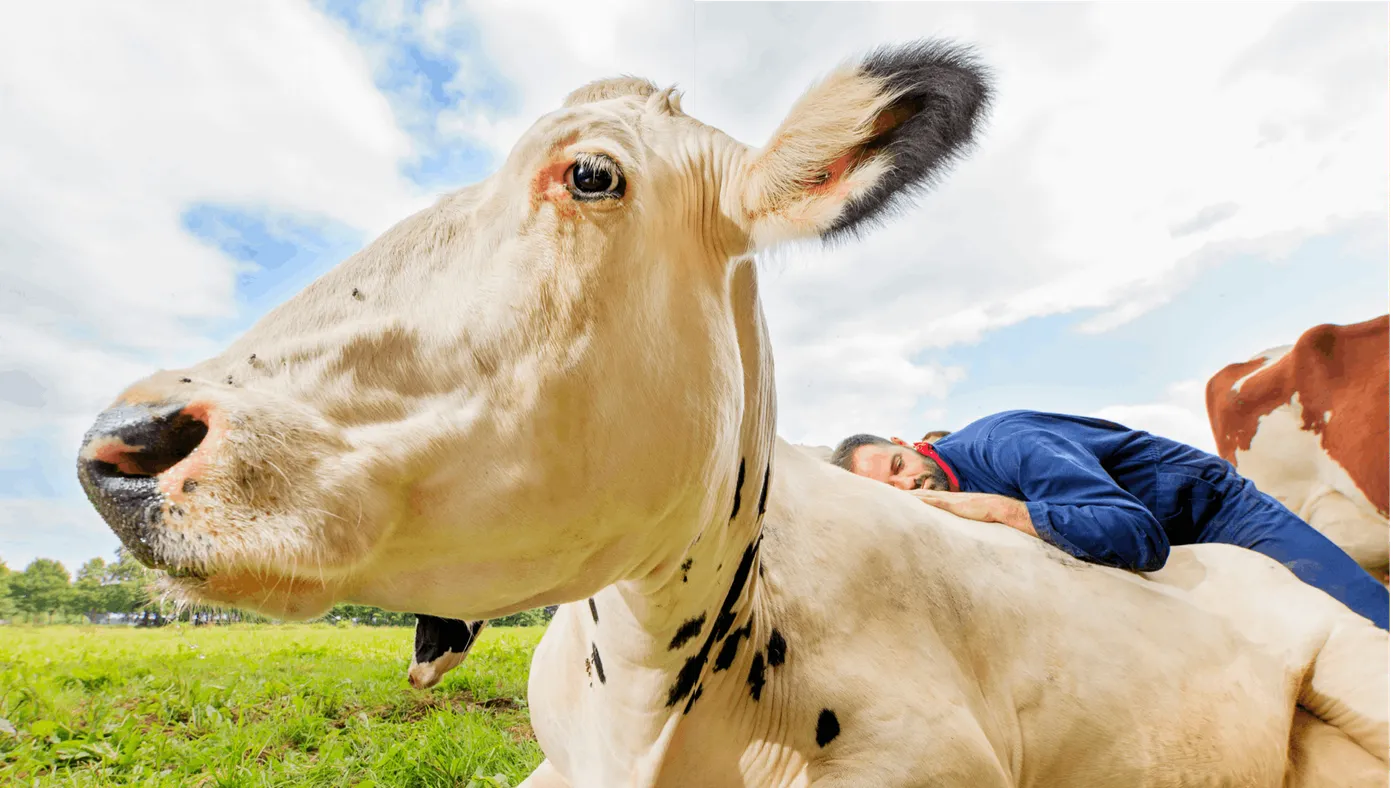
[933, 479]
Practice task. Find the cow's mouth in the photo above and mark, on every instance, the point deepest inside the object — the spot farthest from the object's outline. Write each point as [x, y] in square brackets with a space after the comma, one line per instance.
[187, 573]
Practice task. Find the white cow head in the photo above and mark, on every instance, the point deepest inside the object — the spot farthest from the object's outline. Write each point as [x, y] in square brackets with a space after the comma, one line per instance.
[530, 390]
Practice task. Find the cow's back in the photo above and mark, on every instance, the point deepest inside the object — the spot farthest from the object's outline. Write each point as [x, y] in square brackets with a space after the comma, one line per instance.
[1061, 671]
[1310, 425]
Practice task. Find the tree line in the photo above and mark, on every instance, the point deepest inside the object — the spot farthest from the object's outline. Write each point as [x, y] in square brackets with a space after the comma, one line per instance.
[121, 591]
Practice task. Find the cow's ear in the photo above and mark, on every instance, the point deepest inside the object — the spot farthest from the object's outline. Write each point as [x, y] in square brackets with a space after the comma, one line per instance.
[864, 139]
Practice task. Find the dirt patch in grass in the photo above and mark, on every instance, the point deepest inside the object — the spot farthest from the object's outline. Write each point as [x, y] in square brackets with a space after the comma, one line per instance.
[457, 701]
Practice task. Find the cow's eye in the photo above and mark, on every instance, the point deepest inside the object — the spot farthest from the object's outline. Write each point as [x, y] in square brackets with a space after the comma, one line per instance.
[595, 177]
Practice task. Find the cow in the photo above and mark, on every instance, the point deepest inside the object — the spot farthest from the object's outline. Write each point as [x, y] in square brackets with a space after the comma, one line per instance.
[1309, 424]
[439, 645]
[557, 386]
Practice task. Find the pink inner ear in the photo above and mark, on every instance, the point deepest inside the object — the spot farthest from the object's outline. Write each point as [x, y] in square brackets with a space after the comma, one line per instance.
[884, 122]
[889, 119]
[834, 173]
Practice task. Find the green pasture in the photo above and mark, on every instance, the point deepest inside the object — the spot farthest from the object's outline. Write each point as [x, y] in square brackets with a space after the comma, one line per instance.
[258, 705]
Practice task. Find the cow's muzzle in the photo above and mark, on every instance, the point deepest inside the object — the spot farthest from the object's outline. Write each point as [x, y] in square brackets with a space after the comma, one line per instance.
[126, 464]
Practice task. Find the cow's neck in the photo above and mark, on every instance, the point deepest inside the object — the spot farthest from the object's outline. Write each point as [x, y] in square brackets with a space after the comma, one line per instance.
[695, 630]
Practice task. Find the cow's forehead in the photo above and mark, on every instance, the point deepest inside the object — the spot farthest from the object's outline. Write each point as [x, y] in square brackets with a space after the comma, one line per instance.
[626, 121]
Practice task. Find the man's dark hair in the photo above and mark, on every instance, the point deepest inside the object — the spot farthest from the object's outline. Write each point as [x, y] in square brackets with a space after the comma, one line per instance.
[844, 455]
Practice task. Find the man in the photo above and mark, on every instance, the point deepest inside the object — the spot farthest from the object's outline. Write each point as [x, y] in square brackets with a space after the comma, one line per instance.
[1109, 494]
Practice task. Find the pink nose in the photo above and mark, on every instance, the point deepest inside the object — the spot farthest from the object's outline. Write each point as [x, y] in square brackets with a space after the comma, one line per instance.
[138, 440]
[123, 453]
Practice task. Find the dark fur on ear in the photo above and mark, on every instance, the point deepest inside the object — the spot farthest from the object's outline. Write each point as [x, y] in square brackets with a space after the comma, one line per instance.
[942, 94]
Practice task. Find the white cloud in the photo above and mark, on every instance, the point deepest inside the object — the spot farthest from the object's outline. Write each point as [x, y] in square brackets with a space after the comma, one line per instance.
[67, 531]
[1180, 415]
[1114, 125]
[131, 116]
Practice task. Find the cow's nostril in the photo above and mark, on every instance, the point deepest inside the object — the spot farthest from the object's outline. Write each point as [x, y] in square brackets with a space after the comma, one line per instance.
[143, 443]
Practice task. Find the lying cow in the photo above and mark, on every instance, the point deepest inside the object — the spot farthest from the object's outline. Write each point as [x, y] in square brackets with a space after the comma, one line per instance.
[1309, 424]
[557, 386]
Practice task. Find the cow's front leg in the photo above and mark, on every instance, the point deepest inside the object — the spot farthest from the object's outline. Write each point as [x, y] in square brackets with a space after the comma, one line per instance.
[545, 776]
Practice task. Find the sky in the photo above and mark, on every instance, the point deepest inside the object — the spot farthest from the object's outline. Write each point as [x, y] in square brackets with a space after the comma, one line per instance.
[1162, 189]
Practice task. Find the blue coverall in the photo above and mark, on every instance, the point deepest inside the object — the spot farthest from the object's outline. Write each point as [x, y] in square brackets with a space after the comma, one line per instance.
[1112, 495]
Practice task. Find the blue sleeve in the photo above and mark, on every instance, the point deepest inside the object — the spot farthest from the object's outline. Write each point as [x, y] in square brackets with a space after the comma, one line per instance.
[1075, 505]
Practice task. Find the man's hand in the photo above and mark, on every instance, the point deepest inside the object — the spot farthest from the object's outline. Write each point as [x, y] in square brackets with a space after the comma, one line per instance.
[981, 507]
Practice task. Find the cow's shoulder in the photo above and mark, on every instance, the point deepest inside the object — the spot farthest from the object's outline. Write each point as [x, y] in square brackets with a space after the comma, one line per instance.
[1343, 358]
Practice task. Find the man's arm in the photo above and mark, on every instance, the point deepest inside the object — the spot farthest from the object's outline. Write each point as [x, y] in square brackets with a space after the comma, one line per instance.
[1076, 506]
[983, 507]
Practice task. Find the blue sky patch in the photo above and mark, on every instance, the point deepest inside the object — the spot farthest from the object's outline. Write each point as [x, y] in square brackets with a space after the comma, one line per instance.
[1231, 311]
[421, 83]
[283, 253]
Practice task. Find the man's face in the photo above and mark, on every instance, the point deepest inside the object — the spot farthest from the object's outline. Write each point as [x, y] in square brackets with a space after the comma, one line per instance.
[897, 466]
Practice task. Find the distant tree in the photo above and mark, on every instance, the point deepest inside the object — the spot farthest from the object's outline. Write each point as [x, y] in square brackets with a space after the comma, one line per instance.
[127, 585]
[41, 588]
[370, 616]
[7, 603]
[89, 595]
[526, 618]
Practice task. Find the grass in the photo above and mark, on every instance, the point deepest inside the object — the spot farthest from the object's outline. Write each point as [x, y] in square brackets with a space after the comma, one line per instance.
[303, 705]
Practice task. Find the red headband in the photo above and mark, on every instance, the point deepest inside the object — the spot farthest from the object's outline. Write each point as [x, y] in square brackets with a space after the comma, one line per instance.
[926, 449]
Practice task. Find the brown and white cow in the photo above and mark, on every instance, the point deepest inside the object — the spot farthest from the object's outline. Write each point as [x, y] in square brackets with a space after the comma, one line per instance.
[738, 613]
[1309, 424]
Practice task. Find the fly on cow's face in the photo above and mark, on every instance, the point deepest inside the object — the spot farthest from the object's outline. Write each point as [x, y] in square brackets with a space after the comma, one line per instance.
[595, 176]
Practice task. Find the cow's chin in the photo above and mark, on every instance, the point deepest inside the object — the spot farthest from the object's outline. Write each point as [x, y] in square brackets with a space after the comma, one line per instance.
[274, 595]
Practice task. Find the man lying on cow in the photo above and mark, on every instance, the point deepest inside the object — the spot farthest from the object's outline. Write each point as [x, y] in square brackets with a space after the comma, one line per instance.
[1109, 494]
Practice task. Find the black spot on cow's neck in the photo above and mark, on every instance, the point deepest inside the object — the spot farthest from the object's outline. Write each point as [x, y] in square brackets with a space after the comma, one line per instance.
[598, 665]
[593, 608]
[694, 696]
[356, 294]
[738, 489]
[763, 496]
[757, 677]
[777, 649]
[687, 632]
[685, 570]
[828, 727]
[689, 674]
[730, 648]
